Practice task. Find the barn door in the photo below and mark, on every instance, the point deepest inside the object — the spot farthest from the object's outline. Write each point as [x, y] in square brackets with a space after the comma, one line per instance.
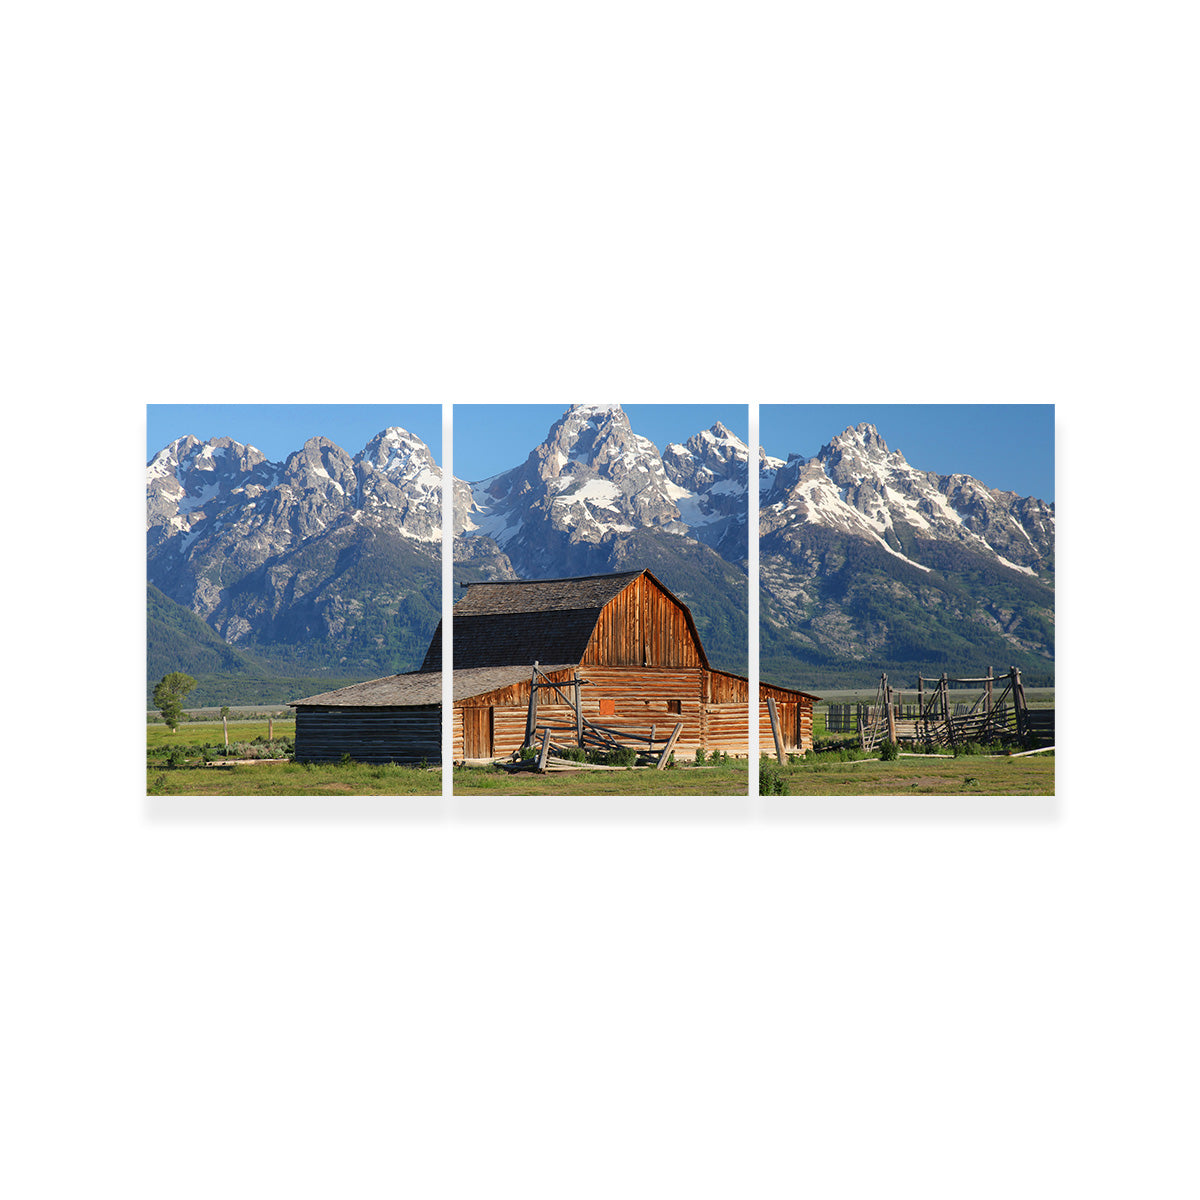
[789, 724]
[477, 732]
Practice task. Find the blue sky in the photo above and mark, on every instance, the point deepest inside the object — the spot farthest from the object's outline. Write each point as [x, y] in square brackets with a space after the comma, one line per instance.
[1007, 446]
[491, 438]
[279, 429]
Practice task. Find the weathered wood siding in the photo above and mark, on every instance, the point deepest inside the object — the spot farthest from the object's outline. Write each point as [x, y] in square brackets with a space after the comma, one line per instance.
[727, 689]
[795, 725]
[400, 735]
[727, 728]
[644, 627]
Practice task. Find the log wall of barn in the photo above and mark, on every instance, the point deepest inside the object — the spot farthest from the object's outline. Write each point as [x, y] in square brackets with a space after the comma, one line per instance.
[643, 702]
[400, 735]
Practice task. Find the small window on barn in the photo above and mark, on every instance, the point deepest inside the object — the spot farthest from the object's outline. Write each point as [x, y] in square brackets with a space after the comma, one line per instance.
[608, 708]
[674, 706]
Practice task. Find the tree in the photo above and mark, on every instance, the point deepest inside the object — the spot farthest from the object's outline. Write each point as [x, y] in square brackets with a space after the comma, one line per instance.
[168, 696]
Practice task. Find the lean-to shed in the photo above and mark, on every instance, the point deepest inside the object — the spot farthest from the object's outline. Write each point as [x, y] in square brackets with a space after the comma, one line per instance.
[633, 644]
[395, 719]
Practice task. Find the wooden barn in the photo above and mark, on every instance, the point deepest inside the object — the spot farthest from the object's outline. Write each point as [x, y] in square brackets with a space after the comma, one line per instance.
[633, 644]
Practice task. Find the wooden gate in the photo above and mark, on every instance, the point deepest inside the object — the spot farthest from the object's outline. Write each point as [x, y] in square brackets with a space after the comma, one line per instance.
[478, 727]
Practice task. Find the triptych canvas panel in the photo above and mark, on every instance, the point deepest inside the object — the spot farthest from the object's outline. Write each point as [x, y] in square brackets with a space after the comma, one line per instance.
[600, 599]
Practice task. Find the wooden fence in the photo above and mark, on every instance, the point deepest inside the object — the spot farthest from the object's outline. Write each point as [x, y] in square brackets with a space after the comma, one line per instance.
[998, 713]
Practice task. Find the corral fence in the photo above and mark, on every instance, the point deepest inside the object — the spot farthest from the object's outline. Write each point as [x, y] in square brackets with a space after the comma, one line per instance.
[949, 712]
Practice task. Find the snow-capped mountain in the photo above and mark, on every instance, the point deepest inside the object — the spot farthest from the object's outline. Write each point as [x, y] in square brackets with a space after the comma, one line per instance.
[200, 489]
[313, 550]
[856, 485]
[594, 480]
[330, 562]
[869, 563]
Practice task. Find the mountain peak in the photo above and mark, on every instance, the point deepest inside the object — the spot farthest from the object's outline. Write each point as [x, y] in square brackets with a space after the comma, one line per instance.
[604, 406]
[396, 450]
[863, 434]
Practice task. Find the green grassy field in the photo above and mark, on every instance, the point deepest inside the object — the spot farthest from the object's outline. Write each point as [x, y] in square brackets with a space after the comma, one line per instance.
[922, 775]
[175, 766]
[730, 779]
[160, 739]
[295, 779]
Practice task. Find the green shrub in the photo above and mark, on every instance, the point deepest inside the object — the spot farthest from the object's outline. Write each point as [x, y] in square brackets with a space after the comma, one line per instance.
[623, 756]
[699, 756]
[888, 750]
[771, 780]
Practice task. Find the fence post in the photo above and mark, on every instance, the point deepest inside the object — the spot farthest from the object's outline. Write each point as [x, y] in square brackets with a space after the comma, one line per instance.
[1019, 703]
[945, 687]
[775, 728]
[531, 719]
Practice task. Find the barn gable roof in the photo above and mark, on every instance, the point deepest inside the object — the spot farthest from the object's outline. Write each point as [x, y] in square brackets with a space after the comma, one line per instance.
[525, 621]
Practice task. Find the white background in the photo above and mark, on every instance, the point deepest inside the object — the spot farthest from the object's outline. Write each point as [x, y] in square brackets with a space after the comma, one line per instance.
[552, 203]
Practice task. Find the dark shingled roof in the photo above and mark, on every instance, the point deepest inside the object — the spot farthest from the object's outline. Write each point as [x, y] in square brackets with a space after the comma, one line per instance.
[544, 595]
[527, 621]
[422, 687]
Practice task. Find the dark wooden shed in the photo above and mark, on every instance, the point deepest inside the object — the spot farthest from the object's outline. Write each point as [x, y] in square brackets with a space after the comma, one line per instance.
[395, 719]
